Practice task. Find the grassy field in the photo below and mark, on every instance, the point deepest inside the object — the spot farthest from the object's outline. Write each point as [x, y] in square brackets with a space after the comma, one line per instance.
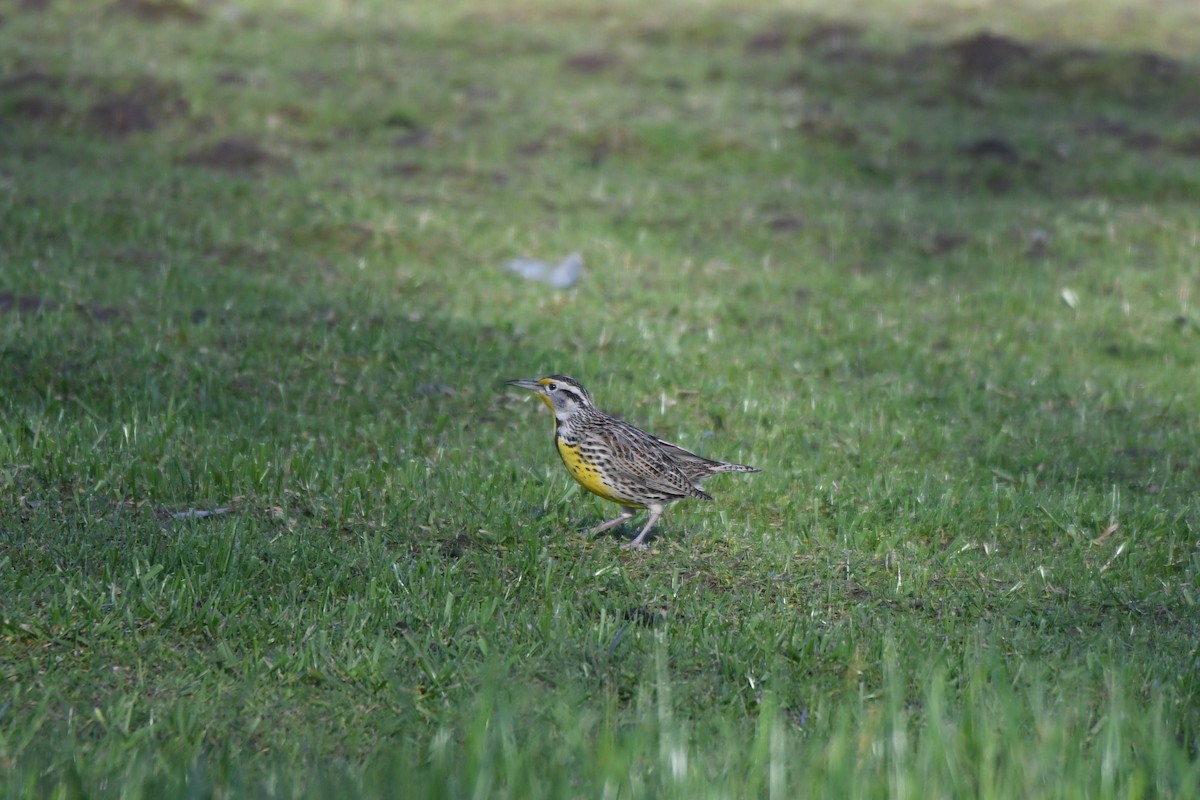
[932, 266]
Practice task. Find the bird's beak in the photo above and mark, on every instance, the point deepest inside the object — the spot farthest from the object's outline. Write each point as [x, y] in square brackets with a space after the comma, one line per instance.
[526, 383]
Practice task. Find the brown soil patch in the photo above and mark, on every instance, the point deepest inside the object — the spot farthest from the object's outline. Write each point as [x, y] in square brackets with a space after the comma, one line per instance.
[25, 304]
[234, 155]
[992, 147]
[591, 63]
[786, 223]
[768, 43]
[140, 110]
[28, 102]
[31, 78]
[158, 11]
[31, 304]
[37, 109]
[985, 55]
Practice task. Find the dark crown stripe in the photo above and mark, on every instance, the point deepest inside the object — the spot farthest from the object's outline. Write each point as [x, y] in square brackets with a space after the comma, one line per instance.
[572, 386]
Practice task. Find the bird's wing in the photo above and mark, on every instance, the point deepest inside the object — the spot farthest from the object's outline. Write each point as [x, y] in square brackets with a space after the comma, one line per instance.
[692, 464]
[642, 455]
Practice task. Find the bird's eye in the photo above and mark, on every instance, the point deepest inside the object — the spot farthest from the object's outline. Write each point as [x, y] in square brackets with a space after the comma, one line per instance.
[553, 387]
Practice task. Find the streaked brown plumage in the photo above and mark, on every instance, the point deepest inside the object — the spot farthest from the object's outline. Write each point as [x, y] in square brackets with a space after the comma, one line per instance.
[617, 461]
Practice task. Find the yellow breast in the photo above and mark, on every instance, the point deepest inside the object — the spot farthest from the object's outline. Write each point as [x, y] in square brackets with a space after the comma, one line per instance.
[586, 474]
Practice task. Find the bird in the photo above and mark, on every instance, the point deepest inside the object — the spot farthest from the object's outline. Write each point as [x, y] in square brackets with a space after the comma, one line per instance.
[617, 461]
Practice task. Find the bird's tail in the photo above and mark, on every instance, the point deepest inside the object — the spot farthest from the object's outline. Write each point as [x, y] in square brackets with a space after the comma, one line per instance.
[735, 468]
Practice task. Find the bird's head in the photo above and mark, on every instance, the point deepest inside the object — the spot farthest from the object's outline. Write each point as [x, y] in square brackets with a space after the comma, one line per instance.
[564, 396]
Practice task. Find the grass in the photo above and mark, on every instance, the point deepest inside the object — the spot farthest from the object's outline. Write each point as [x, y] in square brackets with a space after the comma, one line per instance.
[938, 286]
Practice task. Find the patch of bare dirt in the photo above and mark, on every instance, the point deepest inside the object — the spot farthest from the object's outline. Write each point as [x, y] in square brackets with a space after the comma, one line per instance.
[1188, 145]
[231, 77]
[415, 137]
[455, 546]
[314, 79]
[532, 148]
[830, 127]
[603, 144]
[158, 11]
[31, 78]
[786, 223]
[31, 100]
[991, 147]
[406, 169]
[767, 43]
[831, 42]
[142, 109]
[235, 154]
[1134, 138]
[31, 304]
[591, 63]
[36, 108]
[985, 55]
[25, 304]
[1138, 77]
[235, 254]
[943, 243]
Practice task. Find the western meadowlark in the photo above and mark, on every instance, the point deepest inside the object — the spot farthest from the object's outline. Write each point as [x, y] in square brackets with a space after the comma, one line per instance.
[617, 461]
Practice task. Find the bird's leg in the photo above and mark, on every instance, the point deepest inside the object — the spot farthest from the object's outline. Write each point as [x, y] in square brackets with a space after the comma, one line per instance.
[636, 544]
[626, 514]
